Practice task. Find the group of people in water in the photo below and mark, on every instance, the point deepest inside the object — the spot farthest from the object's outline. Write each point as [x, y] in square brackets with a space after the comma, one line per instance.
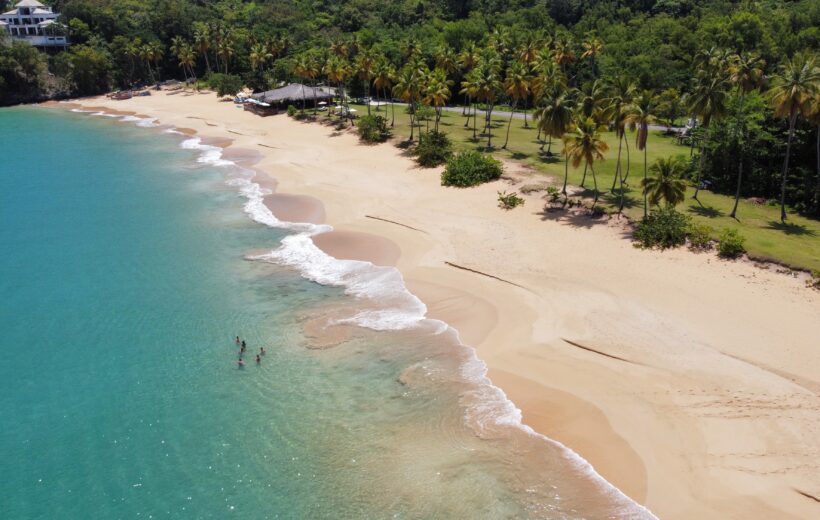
[242, 348]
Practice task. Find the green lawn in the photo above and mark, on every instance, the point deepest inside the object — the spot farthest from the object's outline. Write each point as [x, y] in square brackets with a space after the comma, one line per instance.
[797, 243]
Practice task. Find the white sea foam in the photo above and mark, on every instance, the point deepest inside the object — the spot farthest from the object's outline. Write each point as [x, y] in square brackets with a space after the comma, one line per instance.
[211, 155]
[145, 122]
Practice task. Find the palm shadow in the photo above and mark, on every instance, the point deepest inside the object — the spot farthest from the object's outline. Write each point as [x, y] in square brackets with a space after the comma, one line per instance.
[705, 211]
[791, 228]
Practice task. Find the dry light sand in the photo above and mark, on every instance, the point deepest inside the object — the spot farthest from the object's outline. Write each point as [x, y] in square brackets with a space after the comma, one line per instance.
[691, 383]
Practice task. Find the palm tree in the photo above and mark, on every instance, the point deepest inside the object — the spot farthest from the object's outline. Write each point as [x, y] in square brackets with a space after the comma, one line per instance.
[437, 92]
[365, 63]
[622, 92]
[224, 46]
[301, 69]
[338, 71]
[584, 143]
[793, 92]
[527, 54]
[469, 88]
[642, 115]
[592, 104]
[383, 80]
[746, 73]
[592, 49]
[517, 86]
[554, 114]
[133, 51]
[260, 54]
[488, 84]
[707, 100]
[547, 77]
[468, 59]
[667, 184]
[202, 40]
[814, 118]
[408, 89]
[562, 53]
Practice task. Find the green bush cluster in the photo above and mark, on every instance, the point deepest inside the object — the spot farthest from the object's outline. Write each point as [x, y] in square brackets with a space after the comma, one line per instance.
[372, 129]
[292, 110]
[225, 84]
[731, 244]
[434, 148]
[700, 236]
[509, 200]
[664, 228]
[469, 169]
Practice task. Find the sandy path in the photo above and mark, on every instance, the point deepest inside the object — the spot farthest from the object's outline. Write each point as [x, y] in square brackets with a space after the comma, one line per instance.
[693, 384]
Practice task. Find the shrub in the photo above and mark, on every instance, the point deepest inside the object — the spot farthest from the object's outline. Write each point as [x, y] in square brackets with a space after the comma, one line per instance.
[553, 193]
[434, 148]
[700, 236]
[731, 244]
[225, 84]
[814, 281]
[372, 129]
[469, 169]
[532, 188]
[664, 228]
[509, 200]
[291, 111]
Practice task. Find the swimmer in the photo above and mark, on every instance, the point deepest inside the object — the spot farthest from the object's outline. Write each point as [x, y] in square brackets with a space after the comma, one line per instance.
[237, 340]
[243, 343]
[240, 363]
[262, 351]
[258, 359]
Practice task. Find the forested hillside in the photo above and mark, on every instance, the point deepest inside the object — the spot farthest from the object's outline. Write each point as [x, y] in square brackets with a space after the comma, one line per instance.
[720, 62]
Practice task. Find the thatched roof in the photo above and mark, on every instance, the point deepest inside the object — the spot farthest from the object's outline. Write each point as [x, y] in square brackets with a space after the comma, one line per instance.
[294, 92]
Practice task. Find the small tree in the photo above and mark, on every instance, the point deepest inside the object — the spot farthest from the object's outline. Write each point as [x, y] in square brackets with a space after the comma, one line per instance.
[225, 84]
[372, 129]
[434, 148]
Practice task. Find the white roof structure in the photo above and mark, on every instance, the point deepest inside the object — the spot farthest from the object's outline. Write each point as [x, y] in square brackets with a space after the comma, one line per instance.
[28, 3]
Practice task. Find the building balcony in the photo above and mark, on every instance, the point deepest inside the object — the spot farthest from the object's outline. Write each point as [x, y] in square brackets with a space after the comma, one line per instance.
[43, 41]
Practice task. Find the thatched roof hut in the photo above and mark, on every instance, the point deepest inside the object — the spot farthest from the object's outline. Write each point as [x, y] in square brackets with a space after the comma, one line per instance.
[295, 93]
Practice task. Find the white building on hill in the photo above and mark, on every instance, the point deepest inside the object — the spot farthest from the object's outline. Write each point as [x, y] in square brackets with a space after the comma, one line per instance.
[33, 22]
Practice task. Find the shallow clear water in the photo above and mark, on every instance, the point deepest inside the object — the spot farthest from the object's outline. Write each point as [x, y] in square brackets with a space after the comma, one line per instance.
[125, 277]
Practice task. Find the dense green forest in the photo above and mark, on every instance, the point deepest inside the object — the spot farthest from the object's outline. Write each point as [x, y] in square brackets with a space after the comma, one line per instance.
[747, 71]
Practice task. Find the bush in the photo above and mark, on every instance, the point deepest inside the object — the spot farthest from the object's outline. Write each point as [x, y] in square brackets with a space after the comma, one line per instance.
[700, 236]
[373, 129]
[663, 229]
[291, 111]
[814, 281]
[225, 84]
[434, 148]
[731, 244]
[470, 169]
[509, 200]
[554, 193]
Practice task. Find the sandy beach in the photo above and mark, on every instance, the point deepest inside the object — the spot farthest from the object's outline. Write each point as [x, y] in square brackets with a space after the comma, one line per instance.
[689, 382]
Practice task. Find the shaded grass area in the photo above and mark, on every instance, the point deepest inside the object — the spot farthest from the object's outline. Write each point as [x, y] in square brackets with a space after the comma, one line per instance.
[796, 243]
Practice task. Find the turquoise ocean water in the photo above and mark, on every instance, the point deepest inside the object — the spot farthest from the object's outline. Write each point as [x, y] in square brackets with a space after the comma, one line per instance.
[129, 264]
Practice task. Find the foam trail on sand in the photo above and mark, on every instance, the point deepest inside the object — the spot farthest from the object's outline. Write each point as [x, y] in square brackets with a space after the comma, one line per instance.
[145, 122]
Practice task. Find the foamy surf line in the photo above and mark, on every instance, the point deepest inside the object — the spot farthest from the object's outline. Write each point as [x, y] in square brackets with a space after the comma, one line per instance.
[401, 309]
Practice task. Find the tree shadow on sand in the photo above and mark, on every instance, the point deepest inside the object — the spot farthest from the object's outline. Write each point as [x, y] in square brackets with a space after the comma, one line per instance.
[791, 228]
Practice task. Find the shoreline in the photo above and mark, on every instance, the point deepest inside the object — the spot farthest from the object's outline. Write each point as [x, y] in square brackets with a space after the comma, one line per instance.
[526, 337]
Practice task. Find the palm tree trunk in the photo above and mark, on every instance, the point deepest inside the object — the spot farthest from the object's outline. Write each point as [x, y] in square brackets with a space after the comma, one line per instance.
[566, 176]
[412, 118]
[367, 89]
[207, 62]
[737, 190]
[475, 129]
[700, 168]
[595, 184]
[792, 121]
[626, 175]
[512, 113]
[469, 105]
[644, 180]
[740, 161]
[489, 126]
[584, 178]
[526, 125]
[618, 165]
